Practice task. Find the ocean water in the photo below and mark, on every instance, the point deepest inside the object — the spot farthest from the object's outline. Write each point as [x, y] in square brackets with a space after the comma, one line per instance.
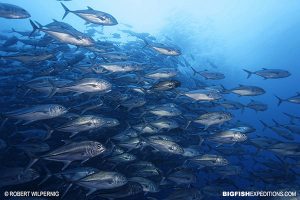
[98, 108]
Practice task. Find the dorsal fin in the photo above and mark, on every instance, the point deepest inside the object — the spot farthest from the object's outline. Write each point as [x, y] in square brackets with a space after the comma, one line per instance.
[90, 8]
[264, 68]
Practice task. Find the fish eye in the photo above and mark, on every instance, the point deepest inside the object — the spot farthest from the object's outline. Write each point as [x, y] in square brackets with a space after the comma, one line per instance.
[98, 146]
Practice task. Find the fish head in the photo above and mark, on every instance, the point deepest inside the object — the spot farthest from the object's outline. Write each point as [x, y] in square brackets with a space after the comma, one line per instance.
[111, 122]
[129, 157]
[176, 149]
[214, 95]
[227, 116]
[241, 137]
[176, 83]
[22, 14]
[101, 85]
[28, 175]
[57, 110]
[220, 161]
[108, 20]
[171, 73]
[97, 148]
[119, 180]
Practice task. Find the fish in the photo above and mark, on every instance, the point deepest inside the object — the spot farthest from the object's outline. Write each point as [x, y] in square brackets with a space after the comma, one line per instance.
[17, 175]
[181, 176]
[232, 105]
[25, 58]
[165, 85]
[37, 113]
[278, 129]
[147, 184]
[92, 16]
[64, 33]
[208, 160]
[128, 190]
[203, 95]
[165, 146]
[227, 137]
[294, 99]
[208, 75]
[213, 118]
[81, 151]
[86, 123]
[269, 73]
[257, 106]
[162, 73]
[85, 85]
[102, 180]
[122, 67]
[164, 124]
[165, 110]
[246, 90]
[285, 149]
[11, 11]
[163, 49]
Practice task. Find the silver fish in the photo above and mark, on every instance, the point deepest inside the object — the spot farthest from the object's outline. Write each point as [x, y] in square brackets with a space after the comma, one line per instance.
[92, 16]
[269, 73]
[36, 113]
[213, 118]
[102, 180]
[10, 11]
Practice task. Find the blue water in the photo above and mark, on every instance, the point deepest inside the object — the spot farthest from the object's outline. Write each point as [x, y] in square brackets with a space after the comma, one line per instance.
[231, 35]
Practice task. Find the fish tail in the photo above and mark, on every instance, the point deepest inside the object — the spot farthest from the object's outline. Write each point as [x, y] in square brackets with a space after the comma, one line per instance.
[146, 43]
[66, 10]
[292, 118]
[225, 91]
[195, 72]
[34, 28]
[275, 122]
[49, 131]
[248, 72]
[264, 124]
[280, 100]
[33, 160]
[54, 89]
[67, 190]
[48, 174]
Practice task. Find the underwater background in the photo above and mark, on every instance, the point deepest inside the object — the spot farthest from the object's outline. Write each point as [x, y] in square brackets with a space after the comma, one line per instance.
[195, 156]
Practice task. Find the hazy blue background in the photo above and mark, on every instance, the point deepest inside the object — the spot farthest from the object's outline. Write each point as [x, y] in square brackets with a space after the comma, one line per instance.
[232, 34]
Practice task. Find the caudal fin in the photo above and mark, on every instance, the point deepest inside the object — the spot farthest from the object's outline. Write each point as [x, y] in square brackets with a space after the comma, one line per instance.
[292, 117]
[195, 72]
[34, 28]
[146, 43]
[248, 72]
[264, 124]
[280, 100]
[276, 123]
[66, 10]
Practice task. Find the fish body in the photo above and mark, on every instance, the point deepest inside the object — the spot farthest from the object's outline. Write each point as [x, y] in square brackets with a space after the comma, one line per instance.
[10, 11]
